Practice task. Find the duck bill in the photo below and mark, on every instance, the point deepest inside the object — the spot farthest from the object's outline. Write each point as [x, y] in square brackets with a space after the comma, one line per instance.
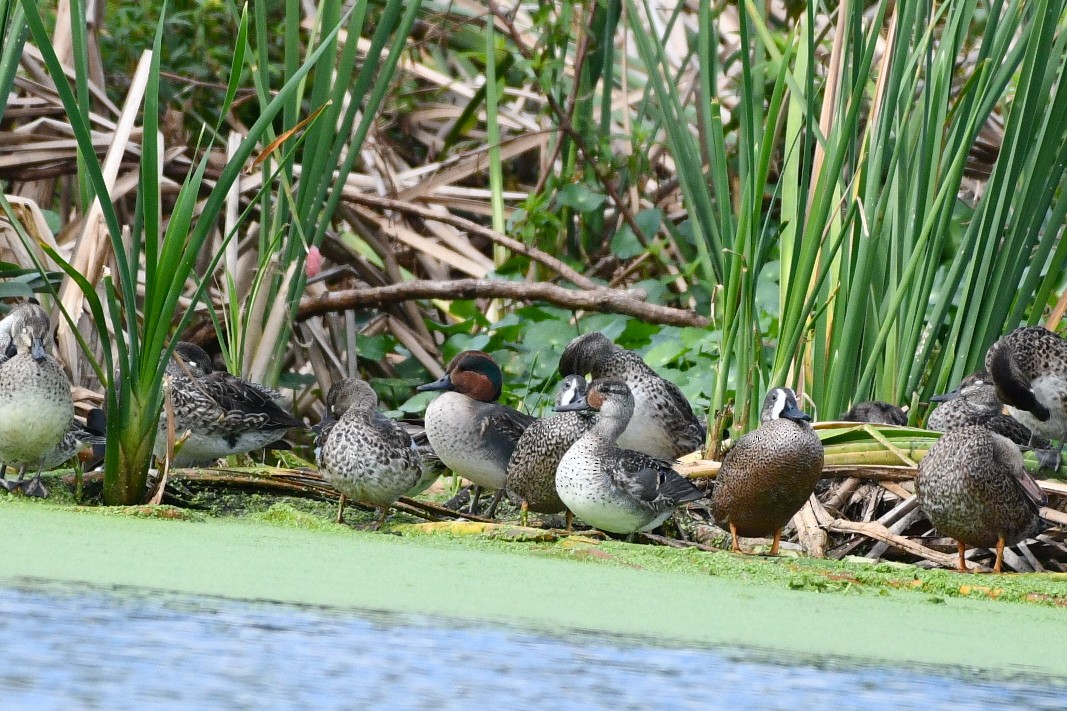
[795, 414]
[578, 404]
[37, 349]
[443, 383]
[945, 397]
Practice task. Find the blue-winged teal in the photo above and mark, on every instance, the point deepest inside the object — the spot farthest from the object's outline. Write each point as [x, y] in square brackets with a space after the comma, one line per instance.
[1029, 370]
[975, 402]
[663, 424]
[876, 412]
[770, 473]
[973, 487]
[614, 489]
[471, 433]
[364, 454]
[531, 474]
[217, 414]
[36, 408]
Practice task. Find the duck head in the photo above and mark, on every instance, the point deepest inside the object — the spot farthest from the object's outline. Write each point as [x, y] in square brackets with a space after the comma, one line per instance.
[472, 373]
[30, 327]
[570, 389]
[781, 403]
[348, 394]
[609, 396]
[581, 355]
[193, 359]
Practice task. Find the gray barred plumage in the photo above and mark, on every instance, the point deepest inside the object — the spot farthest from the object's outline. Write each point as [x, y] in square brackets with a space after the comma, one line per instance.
[1029, 370]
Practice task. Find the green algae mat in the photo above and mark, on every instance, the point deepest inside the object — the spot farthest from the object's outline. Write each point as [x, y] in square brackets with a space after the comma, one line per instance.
[796, 608]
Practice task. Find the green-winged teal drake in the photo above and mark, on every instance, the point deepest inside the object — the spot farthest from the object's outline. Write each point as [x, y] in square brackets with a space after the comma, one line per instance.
[613, 489]
[470, 431]
[217, 414]
[365, 455]
[975, 402]
[973, 487]
[663, 424]
[531, 474]
[876, 412]
[768, 475]
[36, 407]
[1029, 370]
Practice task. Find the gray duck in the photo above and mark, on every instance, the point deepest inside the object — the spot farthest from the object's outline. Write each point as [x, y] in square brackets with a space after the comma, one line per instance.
[611, 488]
[472, 433]
[975, 402]
[365, 455]
[36, 407]
[531, 474]
[770, 473]
[217, 414]
[663, 423]
[973, 487]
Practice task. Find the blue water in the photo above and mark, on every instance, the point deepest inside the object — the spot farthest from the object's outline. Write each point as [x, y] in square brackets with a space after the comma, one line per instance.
[86, 648]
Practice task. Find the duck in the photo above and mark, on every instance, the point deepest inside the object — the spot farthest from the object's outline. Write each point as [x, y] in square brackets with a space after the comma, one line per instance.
[36, 406]
[472, 433]
[663, 423]
[217, 414]
[770, 473]
[365, 455]
[973, 487]
[1029, 371]
[975, 402]
[876, 412]
[617, 490]
[531, 473]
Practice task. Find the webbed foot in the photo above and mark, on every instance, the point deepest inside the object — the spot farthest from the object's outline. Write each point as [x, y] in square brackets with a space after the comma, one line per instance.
[10, 485]
[35, 487]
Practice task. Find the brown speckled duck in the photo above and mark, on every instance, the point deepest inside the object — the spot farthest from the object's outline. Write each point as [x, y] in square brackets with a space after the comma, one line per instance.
[973, 487]
[365, 455]
[768, 475]
[876, 412]
[975, 402]
[531, 472]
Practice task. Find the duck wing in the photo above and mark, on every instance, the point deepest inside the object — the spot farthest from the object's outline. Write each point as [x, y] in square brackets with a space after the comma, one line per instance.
[235, 395]
[650, 481]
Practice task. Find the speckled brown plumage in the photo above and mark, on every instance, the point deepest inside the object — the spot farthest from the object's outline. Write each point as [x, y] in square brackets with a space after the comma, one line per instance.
[975, 402]
[531, 474]
[218, 414]
[365, 455]
[663, 424]
[973, 487]
[1029, 370]
[769, 474]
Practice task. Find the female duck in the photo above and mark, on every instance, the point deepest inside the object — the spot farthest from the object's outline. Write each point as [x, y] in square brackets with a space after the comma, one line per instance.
[663, 424]
[217, 414]
[973, 487]
[531, 474]
[769, 473]
[613, 489]
[975, 402]
[365, 455]
[470, 431]
[36, 407]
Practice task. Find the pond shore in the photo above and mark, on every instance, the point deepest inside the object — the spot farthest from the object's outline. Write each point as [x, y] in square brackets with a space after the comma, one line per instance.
[515, 583]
